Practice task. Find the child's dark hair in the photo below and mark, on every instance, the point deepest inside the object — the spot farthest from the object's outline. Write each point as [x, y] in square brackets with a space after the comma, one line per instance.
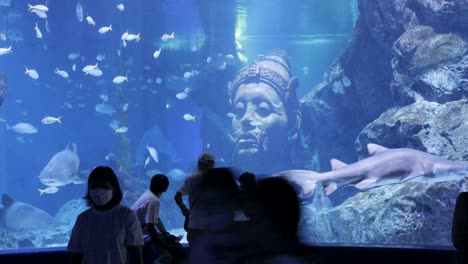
[103, 174]
[159, 183]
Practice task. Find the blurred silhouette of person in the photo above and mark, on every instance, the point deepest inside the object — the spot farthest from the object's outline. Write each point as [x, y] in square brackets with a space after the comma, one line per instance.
[220, 240]
[247, 182]
[275, 223]
[460, 226]
[266, 115]
[155, 236]
[191, 187]
[247, 185]
[107, 232]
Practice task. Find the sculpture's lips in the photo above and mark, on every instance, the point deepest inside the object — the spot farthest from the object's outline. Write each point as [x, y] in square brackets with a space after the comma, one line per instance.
[246, 141]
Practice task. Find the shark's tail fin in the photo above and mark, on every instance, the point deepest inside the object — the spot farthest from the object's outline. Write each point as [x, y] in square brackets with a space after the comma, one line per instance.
[306, 179]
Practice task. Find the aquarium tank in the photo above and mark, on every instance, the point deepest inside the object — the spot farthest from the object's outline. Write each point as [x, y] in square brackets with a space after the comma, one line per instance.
[360, 104]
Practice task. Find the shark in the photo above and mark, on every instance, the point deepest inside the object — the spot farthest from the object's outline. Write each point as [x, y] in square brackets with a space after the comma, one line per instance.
[384, 166]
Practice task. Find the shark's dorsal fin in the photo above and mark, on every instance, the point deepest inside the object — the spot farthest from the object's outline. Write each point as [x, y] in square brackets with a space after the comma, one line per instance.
[330, 188]
[374, 148]
[7, 200]
[337, 164]
[365, 183]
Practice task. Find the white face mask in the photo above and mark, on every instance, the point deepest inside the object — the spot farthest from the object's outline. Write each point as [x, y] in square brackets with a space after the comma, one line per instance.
[101, 196]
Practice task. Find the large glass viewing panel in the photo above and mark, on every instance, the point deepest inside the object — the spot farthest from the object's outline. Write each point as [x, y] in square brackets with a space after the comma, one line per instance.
[364, 100]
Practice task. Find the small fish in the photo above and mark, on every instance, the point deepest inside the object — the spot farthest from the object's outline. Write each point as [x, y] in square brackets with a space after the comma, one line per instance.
[187, 89]
[181, 96]
[114, 124]
[121, 130]
[188, 75]
[4, 51]
[39, 13]
[125, 107]
[100, 57]
[73, 55]
[2, 119]
[38, 32]
[95, 72]
[79, 12]
[41, 8]
[132, 37]
[230, 57]
[167, 37]
[147, 68]
[189, 117]
[50, 120]
[3, 36]
[120, 79]
[120, 7]
[23, 140]
[157, 53]
[231, 115]
[223, 66]
[104, 97]
[74, 67]
[209, 60]
[68, 105]
[88, 68]
[90, 21]
[255, 124]
[23, 128]
[31, 73]
[305, 70]
[104, 30]
[105, 109]
[153, 153]
[61, 73]
[159, 80]
[147, 161]
[49, 190]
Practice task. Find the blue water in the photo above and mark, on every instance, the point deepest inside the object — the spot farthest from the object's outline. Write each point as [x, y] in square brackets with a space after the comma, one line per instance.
[314, 33]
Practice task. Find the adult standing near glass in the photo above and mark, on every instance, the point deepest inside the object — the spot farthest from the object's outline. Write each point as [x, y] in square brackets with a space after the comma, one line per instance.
[266, 118]
[191, 187]
[460, 226]
[108, 232]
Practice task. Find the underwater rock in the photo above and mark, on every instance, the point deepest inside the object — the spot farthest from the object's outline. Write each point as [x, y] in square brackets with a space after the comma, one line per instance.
[405, 53]
[429, 65]
[443, 15]
[68, 213]
[401, 214]
[440, 129]
[7, 239]
[3, 88]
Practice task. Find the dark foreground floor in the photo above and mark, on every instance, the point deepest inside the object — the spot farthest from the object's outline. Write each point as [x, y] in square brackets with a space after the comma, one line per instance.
[332, 255]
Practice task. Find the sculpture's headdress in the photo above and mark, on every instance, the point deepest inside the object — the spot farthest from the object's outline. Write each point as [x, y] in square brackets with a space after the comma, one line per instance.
[273, 70]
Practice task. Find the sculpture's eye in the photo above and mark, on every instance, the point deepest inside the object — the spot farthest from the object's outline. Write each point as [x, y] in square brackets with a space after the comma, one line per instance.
[264, 110]
[239, 110]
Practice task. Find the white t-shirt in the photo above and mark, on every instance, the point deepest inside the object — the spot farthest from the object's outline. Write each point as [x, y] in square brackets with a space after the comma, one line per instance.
[147, 209]
[191, 187]
[103, 236]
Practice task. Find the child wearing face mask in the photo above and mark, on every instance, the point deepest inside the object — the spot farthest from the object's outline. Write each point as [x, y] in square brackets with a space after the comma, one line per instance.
[108, 232]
